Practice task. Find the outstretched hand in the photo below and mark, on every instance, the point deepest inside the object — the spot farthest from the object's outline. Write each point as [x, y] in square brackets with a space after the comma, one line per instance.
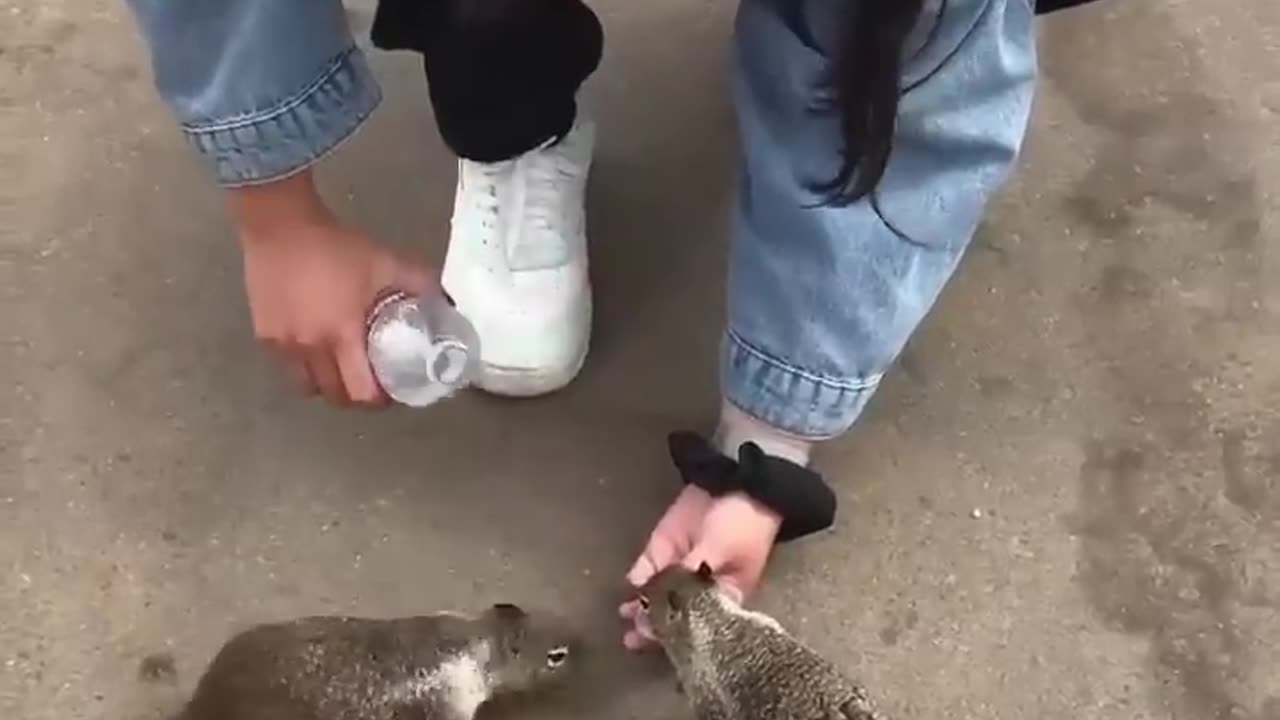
[732, 534]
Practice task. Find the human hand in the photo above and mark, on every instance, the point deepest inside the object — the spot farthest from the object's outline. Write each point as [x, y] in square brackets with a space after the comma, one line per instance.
[310, 284]
[732, 534]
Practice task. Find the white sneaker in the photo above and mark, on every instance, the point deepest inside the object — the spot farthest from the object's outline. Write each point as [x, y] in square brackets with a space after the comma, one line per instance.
[517, 264]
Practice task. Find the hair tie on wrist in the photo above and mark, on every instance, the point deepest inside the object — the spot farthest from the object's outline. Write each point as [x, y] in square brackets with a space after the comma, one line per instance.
[797, 493]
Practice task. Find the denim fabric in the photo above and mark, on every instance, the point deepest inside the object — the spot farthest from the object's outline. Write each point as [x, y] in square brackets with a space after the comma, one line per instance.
[262, 88]
[822, 299]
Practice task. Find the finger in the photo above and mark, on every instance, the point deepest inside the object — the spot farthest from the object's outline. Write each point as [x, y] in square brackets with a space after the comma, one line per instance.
[413, 277]
[629, 609]
[641, 633]
[293, 361]
[633, 640]
[660, 553]
[357, 375]
[643, 569]
[730, 587]
[302, 375]
[325, 374]
[403, 273]
[644, 627]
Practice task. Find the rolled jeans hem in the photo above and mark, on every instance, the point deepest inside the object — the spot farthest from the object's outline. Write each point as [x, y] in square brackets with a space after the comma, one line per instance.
[297, 132]
[791, 399]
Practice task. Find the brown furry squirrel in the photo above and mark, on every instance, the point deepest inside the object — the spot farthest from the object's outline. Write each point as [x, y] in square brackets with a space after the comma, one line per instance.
[435, 667]
[737, 664]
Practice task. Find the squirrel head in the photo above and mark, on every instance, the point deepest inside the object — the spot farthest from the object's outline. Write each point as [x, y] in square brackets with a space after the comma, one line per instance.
[671, 595]
[528, 651]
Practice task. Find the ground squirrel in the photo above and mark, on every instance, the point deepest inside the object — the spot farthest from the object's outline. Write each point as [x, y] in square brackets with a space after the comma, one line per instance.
[737, 664]
[436, 667]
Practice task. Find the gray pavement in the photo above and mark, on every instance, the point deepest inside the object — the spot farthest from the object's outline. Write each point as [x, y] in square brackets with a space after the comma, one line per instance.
[1065, 503]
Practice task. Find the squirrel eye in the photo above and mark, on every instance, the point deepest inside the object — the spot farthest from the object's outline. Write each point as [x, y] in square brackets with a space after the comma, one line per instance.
[644, 602]
[556, 656]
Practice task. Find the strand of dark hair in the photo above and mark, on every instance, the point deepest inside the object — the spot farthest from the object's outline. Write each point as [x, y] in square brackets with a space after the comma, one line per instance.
[865, 78]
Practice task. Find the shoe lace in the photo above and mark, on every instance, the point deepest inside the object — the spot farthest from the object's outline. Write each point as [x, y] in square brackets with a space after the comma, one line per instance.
[548, 170]
[484, 194]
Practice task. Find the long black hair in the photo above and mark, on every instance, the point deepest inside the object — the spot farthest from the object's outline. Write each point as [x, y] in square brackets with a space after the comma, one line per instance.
[865, 79]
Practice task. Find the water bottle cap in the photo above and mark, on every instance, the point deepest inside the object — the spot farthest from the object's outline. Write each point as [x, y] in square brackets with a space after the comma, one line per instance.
[447, 362]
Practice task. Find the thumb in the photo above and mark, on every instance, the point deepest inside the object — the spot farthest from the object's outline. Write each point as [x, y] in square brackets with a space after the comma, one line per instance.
[660, 552]
[413, 277]
[406, 274]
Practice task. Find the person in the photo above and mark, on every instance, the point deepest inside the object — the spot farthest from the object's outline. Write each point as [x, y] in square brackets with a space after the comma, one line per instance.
[872, 134]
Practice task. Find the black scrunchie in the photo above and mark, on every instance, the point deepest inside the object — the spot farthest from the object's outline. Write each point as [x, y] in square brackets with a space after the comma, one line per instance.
[798, 494]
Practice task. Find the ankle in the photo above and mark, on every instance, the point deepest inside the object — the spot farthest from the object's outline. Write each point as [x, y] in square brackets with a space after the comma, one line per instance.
[736, 428]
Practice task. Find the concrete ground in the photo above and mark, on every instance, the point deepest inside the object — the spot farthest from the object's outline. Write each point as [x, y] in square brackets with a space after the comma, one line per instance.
[1065, 503]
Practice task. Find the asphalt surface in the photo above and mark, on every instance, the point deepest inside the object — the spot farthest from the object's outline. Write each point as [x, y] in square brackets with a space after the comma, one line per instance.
[1065, 502]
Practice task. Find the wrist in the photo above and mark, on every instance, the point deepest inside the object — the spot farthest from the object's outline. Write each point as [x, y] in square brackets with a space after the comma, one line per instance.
[764, 513]
[794, 493]
[736, 428]
[263, 211]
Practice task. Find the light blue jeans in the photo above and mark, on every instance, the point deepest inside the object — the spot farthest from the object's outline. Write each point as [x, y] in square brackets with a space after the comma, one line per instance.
[821, 299]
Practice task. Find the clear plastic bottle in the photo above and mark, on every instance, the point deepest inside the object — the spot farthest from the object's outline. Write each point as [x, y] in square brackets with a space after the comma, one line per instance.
[422, 350]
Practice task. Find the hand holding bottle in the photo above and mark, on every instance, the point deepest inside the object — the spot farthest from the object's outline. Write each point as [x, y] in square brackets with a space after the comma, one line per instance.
[311, 283]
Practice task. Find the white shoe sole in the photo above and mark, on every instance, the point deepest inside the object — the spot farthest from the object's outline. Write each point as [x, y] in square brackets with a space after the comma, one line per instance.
[520, 382]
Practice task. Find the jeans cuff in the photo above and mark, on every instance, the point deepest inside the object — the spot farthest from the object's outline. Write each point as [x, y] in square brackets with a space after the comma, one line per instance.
[800, 402]
[294, 133]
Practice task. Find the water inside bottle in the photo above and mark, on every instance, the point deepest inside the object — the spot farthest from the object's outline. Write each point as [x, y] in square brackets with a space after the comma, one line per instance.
[421, 351]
